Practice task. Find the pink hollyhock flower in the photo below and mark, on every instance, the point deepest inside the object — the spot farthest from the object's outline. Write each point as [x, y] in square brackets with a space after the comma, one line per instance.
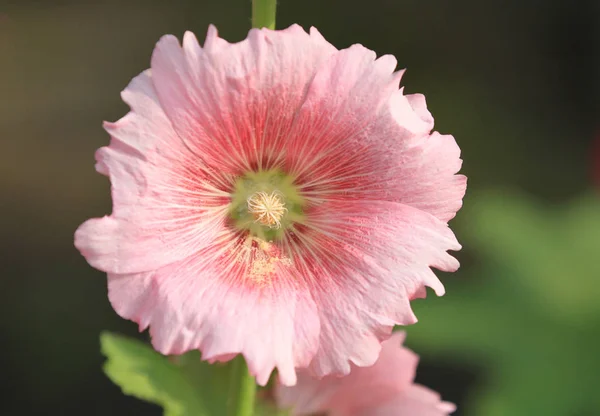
[384, 389]
[275, 197]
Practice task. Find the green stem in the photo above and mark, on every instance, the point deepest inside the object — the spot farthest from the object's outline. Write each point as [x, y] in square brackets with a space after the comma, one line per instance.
[242, 389]
[263, 13]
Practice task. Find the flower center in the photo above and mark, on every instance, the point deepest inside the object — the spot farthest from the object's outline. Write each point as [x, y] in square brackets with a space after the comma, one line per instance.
[267, 209]
[266, 204]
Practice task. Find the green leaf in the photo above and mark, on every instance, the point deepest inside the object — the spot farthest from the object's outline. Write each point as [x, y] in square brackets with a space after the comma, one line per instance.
[143, 373]
[183, 385]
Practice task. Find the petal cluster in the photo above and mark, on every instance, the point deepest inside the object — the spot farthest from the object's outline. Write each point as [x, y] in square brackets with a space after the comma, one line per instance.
[378, 189]
[384, 389]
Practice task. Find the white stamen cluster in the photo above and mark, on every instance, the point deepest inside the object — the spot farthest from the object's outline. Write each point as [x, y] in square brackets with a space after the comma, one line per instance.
[267, 209]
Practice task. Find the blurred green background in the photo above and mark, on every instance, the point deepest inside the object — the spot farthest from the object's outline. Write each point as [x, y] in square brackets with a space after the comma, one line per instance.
[516, 82]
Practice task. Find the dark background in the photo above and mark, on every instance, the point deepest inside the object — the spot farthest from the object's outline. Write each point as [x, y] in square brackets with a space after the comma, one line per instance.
[516, 82]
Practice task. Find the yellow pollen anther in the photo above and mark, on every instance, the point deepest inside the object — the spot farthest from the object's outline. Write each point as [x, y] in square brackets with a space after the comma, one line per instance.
[267, 209]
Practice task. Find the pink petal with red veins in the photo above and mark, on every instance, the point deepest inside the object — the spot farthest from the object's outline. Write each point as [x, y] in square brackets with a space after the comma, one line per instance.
[165, 203]
[357, 136]
[363, 262]
[329, 144]
[207, 302]
[235, 104]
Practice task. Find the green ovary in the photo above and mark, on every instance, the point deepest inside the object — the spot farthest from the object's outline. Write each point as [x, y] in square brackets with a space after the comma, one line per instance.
[266, 204]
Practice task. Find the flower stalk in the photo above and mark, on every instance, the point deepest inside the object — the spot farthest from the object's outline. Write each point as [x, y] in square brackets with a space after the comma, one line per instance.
[263, 13]
[242, 389]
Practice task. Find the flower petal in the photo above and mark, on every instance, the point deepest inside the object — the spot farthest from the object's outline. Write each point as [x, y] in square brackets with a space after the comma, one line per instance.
[164, 200]
[235, 103]
[357, 136]
[423, 170]
[417, 400]
[386, 388]
[207, 302]
[344, 98]
[426, 178]
[364, 261]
